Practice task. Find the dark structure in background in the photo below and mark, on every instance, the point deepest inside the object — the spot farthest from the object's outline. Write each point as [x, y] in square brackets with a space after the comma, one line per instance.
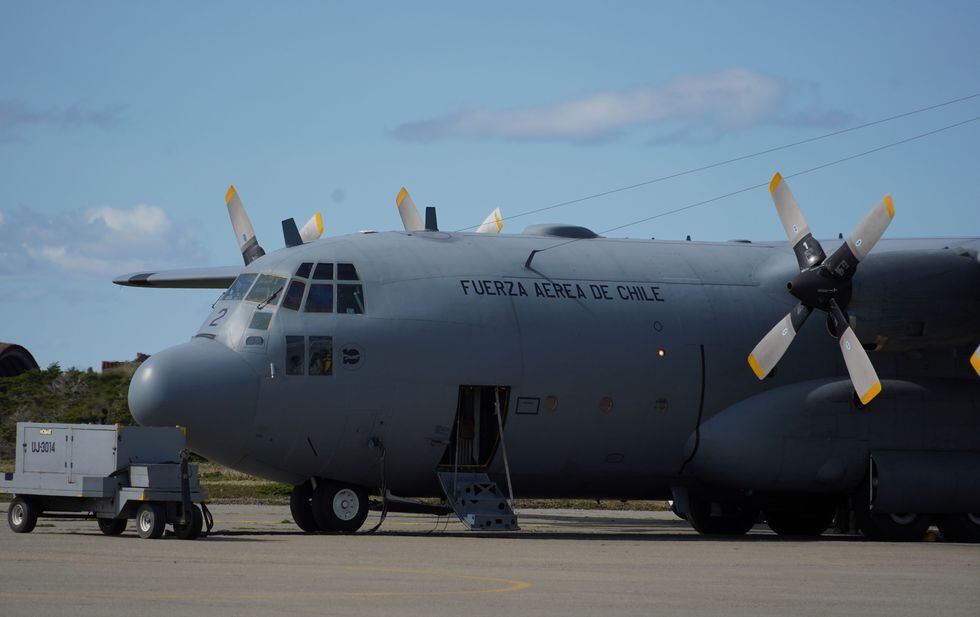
[15, 360]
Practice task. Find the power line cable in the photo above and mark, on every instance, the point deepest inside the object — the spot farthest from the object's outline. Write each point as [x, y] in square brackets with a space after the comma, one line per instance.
[735, 159]
[792, 175]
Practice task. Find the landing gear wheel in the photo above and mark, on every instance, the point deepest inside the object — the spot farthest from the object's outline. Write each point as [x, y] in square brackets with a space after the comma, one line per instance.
[112, 526]
[894, 527]
[192, 530]
[151, 521]
[960, 527]
[809, 523]
[22, 515]
[301, 507]
[713, 519]
[338, 507]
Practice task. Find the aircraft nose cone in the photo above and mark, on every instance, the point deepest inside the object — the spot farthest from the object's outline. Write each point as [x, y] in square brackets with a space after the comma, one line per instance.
[201, 385]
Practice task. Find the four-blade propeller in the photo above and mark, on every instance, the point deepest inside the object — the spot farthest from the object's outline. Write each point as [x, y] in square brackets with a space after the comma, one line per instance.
[411, 220]
[823, 283]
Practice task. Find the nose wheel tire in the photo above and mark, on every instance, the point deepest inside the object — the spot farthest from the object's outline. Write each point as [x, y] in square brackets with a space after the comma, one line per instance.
[338, 507]
[151, 521]
[960, 527]
[897, 527]
[112, 526]
[301, 507]
[192, 530]
[710, 518]
[22, 515]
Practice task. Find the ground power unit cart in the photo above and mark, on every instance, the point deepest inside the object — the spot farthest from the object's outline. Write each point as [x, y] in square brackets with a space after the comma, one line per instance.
[112, 472]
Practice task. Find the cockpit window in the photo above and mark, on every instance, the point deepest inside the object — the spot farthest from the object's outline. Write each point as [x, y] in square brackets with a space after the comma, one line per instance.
[304, 270]
[323, 272]
[294, 295]
[267, 290]
[346, 272]
[321, 355]
[295, 355]
[260, 321]
[350, 299]
[240, 287]
[320, 299]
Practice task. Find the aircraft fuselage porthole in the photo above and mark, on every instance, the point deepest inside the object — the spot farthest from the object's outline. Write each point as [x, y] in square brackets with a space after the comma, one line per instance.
[551, 402]
[605, 404]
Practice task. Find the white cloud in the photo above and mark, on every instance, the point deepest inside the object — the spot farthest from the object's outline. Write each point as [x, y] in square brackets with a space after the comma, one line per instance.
[142, 219]
[724, 101]
[101, 242]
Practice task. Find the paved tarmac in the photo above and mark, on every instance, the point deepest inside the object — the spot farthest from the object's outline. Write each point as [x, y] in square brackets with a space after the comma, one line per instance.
[563, 563]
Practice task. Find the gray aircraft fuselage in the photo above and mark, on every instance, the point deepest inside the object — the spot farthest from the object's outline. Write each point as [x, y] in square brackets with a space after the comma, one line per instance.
[625, 359]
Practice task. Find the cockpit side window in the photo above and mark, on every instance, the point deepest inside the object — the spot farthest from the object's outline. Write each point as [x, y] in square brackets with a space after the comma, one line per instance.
[304, 270]
[323, 272]
[350, 299]
[240, 287]
[294, 295]
[320, 299]
[346, 272]
[267, 290]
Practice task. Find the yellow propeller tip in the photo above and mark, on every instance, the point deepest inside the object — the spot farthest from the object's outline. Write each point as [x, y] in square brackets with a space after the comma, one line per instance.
[319, 223]
[756, 368]
[872, 392]
[890, 205]
[402, 194]
[975, 361]
[775, 180]
[230, 193]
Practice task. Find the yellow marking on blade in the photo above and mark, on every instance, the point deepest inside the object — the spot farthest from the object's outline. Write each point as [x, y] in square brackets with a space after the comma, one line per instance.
[775, 180]
[872, 392]
[500, 223]
[402, 194]
[229, 194]
[890, 205]
[975, 360]
[319, 223]
[755, 367]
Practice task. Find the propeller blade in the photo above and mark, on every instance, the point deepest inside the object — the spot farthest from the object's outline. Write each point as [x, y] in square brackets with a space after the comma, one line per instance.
[493, 224]
[774, 344]
[859, 367]
[975, 360]
[808, 251]
[244, 233]
[313, 228]
[408, 212]
[845, 259]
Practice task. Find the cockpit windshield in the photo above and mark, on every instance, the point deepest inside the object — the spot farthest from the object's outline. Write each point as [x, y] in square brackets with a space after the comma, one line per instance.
[267, 290]
[240, 287]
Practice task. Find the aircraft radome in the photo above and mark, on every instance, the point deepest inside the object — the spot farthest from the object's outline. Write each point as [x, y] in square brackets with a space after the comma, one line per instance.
[557, 363]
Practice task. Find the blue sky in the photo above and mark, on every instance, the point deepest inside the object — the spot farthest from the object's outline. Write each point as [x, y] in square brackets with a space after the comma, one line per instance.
[122, 124]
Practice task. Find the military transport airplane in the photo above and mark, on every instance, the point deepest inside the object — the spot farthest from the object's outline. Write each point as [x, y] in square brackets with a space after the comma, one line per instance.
[564, 364]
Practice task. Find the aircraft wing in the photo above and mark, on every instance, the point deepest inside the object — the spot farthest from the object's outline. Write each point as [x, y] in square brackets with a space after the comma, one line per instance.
[218, 277]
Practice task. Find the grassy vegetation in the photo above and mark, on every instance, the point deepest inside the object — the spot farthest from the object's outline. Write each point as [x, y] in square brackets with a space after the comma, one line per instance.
[54, 395]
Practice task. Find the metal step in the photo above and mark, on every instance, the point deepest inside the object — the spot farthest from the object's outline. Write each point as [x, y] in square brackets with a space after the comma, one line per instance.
[477, 501]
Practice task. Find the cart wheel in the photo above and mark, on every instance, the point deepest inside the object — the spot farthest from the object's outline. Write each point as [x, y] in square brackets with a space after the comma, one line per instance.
[112, 526]
[191, 531]
[151, 520]
[22, 515]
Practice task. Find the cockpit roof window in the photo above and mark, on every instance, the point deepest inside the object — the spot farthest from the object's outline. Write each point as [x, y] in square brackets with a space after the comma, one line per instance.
[323, 272]
[267, 290]
[346, 272]
[304, 270]
[240, 287]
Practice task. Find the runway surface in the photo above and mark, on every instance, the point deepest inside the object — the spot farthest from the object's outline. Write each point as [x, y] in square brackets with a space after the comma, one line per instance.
[563, 563]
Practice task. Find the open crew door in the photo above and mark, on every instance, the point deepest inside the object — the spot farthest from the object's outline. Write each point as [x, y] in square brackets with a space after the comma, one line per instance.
[481, 414]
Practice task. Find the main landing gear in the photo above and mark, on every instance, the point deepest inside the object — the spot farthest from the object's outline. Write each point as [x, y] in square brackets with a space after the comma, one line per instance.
[331, 507]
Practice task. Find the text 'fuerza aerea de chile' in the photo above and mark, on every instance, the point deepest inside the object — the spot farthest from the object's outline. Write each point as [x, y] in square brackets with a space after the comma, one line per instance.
[555, 290]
